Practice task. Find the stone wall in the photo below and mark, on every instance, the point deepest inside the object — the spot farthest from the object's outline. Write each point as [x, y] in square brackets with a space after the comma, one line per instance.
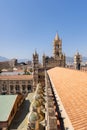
[15, 86]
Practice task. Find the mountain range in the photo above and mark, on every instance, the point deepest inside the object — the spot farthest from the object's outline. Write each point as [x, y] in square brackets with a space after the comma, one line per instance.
[3, 59]
[68, 59]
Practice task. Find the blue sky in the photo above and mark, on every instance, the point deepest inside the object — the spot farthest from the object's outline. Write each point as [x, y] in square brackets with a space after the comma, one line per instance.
[26, 25]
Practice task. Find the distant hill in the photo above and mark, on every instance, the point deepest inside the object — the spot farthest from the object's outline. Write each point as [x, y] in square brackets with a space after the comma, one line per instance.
[84, 59]
[70, 60]
[3, 59]
[23, 60]
[19, 60]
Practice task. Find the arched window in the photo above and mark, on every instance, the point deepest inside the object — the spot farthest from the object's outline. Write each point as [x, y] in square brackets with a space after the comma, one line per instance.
[23, 87]
[79, 66]
[29, 88]
[17, 88]
[4, 90]
[57, 53]
[11, 87]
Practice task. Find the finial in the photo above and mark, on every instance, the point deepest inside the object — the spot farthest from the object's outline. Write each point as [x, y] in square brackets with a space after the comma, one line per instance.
[35, 52]
[56, 37]
[77, 52]
[44, 54]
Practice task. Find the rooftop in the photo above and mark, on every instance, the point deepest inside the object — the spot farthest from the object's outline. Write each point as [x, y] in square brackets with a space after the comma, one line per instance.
[6, 105]
[16, 77]
[71, 87]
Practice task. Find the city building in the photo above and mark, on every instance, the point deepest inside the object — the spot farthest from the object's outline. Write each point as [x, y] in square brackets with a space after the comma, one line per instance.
[8, 64]
[9, 105]
[16, 84]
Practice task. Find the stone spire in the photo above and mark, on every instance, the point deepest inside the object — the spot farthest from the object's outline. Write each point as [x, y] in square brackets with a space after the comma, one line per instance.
[56, 37]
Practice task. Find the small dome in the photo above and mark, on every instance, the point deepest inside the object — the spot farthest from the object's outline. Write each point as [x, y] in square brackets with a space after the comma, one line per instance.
[39, 86]
[38, 95]
[35, 104]
[39, 91]
[39, 98]
[33, 117]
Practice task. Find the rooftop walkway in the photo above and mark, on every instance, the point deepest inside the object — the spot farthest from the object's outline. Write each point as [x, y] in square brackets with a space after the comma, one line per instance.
[71, 87]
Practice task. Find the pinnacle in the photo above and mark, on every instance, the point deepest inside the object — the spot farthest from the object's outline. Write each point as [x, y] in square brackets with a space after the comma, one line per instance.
[56, 37]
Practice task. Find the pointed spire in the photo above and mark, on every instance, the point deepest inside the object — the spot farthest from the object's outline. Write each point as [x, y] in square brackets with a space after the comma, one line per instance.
[43, 54]
[77, 52]
[35, 52]
[56, 37]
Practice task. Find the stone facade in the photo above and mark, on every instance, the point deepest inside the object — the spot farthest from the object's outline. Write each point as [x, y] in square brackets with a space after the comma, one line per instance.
[16, 84]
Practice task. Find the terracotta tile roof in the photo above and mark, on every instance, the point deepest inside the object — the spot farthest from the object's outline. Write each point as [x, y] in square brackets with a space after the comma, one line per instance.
[71, 86]
[16, 77]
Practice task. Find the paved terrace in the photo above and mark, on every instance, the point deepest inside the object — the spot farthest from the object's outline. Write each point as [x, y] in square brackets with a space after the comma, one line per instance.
[71, 88]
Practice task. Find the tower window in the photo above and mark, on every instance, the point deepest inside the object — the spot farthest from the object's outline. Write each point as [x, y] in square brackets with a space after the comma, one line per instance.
[57, 46]
[57, 53]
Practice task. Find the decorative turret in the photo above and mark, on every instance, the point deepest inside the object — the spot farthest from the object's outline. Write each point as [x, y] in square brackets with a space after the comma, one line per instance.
[33, 121]
[35, 69]
[43, 60]
[77, 61]
[63, 57]
[35, 106]
[36, 114]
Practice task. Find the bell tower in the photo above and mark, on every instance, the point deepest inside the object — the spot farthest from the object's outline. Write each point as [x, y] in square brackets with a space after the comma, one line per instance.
[35, 69]
[57, 47]
[77, 61]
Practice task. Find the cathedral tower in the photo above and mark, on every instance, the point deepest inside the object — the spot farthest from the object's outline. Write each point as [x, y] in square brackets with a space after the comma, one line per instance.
[35, 69]
[58, 58]
[57, 47]
[77, 61]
